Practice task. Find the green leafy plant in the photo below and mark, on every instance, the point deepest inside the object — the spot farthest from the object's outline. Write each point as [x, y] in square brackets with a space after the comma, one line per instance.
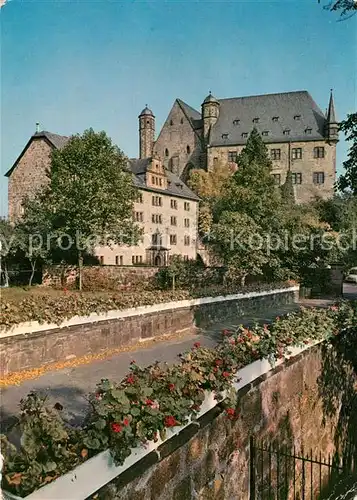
[150, 400]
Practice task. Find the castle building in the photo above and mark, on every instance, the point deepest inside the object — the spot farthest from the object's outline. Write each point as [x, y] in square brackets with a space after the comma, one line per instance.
[166, 209]
[299, 136]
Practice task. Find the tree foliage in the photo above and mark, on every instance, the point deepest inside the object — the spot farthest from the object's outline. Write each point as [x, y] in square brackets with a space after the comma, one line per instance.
[90, 194]
[348, 180]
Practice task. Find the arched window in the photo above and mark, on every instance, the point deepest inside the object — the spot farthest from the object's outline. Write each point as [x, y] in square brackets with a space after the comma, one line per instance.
[171, 122]
[166, 152]
[188, 150]
[181, 121]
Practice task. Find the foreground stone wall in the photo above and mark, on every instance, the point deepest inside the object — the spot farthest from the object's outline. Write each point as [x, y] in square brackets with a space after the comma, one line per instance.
[296, 405]
[32, 349]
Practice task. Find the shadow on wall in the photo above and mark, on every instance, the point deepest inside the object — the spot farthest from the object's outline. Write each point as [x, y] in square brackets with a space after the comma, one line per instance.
[338, 392]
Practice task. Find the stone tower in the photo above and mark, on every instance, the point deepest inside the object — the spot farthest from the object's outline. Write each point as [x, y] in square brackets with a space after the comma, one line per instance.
[331, 122]
[146, 132]
[210, 112]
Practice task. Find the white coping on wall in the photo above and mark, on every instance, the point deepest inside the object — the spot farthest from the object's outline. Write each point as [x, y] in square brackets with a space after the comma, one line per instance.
[99, 470]
[35, 326]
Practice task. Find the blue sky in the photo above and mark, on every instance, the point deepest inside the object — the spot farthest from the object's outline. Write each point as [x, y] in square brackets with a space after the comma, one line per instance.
[73, 65]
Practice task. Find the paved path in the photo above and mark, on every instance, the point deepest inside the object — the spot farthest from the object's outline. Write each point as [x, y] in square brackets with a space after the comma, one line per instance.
[70, 386]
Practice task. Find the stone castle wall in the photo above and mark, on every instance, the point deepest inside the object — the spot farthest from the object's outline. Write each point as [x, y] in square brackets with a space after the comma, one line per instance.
[28, 176]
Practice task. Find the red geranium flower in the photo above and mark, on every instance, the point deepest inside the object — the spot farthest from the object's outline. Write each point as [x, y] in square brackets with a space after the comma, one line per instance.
[172, 387]
[219, 362]
[196, 345]
[126, 422]
[116, 427]
[215, 369]
[170, 421]
[230, 411]
[225, 374]
[130, 379]
[149, 402]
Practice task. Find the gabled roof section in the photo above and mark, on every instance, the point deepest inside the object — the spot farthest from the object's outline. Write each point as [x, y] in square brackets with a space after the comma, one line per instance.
[55, 140]
[273, 115]
[175, 186]
[193, 116]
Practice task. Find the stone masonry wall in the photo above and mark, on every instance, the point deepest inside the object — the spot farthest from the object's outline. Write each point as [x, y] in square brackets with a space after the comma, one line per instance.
[209, 460]
[28, 176]
[35, 349]
[307, 165]
[175, 138]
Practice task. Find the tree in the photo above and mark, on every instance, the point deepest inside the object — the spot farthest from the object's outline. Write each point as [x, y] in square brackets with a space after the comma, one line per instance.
[32, 232]
[348, 181]
[252, 190]
[90, 195]
[234, 240]
[287, 190]
[209, 186]
[7, 249]
[344, 7]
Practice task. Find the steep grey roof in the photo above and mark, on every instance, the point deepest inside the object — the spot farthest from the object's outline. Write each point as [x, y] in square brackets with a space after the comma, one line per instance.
[331, 113]
[57, 140]
[210, 98]
[236, 117]
[193, 116]
[175, 185]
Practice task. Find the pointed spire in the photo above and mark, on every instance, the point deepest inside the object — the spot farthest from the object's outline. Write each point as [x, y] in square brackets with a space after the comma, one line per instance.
[331, 115]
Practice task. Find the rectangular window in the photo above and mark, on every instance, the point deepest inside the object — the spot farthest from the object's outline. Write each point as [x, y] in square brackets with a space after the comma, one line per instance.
[187, 240]
[187, 222]
[232, 156]
[139, 216]
[296, 153]
[174, 204]
[137, 259]
[157, 201]
[296, 178]
[173, 220]
[187, 206]
[277, 179]
[173, 239]
[156, 218]
[319, 152]
[186, 257]
[140, 198]
[133, 259]
[101, 259]
[319, 177]
[156, 239]
[117, 260]
[275, 154]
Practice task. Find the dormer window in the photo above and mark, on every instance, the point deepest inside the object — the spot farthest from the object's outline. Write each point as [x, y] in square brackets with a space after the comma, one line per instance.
[255, 120]
[286, 131]
[265, 133]
[244, 135]
[308, 131]
[236, 122]
[297, 117]
[275, 118]
[225, 136]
